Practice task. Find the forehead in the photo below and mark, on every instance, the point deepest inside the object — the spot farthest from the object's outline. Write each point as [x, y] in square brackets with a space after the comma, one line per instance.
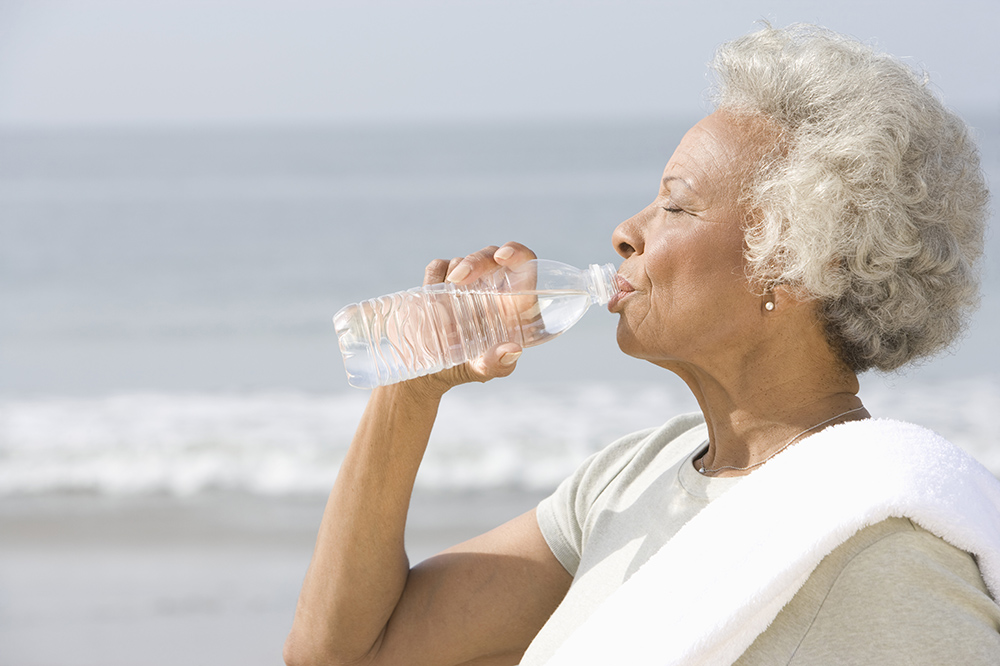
[720, 150]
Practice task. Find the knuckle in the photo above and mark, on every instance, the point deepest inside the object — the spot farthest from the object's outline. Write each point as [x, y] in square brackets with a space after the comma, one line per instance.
[523, 249]
[435, 271]
[484, 254]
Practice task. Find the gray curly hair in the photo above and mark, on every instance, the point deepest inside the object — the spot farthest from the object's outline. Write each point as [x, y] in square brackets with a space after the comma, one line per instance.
[873, 203]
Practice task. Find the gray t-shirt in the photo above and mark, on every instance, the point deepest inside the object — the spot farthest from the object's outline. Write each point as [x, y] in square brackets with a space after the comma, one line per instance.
[892, 594]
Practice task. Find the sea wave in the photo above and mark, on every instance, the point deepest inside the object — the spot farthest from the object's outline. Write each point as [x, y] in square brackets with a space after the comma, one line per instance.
[289, 443]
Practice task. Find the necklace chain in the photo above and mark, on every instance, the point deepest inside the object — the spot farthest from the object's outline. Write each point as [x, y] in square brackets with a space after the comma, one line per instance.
[703, 470]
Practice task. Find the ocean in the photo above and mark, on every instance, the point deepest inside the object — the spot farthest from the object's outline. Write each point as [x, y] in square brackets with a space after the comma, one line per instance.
[166, 300]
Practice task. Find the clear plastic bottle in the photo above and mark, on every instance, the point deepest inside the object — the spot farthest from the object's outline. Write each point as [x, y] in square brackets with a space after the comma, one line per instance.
[427, 329]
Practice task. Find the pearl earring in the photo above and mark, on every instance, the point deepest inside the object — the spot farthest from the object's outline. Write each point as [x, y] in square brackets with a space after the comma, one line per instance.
[769, 305]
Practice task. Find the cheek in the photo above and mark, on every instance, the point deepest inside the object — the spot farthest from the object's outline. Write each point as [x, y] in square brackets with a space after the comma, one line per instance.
[699, 284]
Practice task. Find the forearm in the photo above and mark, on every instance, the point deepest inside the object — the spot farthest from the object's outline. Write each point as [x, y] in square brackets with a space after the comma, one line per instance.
[359, 567]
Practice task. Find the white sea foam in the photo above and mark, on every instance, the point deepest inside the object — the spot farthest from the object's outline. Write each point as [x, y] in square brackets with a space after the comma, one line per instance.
[290, 442]
[282, 443]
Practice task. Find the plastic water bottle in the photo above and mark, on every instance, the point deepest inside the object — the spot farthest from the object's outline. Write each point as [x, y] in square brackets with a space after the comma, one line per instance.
[427, 329]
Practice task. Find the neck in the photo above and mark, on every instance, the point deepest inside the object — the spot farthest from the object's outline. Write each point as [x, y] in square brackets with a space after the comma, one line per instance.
[753, 419]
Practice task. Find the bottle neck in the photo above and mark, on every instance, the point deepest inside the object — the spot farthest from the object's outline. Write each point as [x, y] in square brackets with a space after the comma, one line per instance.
[602, 283]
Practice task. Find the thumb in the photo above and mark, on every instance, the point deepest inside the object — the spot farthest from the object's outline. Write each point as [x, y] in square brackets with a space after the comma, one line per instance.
[499, 361]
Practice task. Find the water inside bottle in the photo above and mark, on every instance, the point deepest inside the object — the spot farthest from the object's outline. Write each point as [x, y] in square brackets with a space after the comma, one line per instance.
[420, 332]
[559, 309]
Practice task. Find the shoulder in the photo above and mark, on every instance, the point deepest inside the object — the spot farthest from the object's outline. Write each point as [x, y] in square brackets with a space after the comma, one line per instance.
[666, 444]
[619, 463]
[562, 515]
[902, 563]
[893, 593]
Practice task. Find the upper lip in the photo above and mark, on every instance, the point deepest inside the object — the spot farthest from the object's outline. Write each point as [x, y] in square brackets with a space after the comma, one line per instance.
[624, 286]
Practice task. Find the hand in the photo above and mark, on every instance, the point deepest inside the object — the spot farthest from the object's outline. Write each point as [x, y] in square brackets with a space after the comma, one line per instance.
[500, 360]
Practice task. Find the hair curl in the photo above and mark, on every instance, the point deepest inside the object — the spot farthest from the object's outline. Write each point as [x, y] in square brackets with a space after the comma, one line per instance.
[873, 203]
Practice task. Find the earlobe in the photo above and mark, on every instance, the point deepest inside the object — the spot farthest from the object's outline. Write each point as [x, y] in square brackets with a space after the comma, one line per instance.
[789, 297]
[768, 301]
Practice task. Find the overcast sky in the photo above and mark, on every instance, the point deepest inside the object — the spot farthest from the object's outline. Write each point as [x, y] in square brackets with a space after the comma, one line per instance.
[210, 62]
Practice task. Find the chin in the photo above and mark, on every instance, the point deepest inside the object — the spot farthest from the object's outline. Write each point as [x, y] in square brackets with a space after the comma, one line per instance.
[624, 336]
[628, 343]
[657, 354]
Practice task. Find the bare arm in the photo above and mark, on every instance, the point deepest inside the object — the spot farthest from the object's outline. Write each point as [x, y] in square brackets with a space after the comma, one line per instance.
[480, 602]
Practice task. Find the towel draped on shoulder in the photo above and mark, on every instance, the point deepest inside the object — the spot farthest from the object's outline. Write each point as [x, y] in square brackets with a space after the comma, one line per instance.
[764, 537]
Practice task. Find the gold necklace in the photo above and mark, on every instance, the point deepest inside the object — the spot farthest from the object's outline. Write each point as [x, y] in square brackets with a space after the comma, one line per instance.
[703, 470]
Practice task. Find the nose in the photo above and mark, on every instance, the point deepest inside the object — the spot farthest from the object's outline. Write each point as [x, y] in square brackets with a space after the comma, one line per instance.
[627, 237]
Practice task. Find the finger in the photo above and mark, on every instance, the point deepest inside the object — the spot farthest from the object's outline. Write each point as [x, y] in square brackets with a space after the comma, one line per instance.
[474, 266]
[512, 255]
[435, 271]
[450, 274]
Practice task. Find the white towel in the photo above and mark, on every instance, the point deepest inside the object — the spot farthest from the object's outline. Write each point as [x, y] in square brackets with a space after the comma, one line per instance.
[766, 535]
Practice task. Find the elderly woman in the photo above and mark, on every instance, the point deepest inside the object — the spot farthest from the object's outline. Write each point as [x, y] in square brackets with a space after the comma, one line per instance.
[826, 219]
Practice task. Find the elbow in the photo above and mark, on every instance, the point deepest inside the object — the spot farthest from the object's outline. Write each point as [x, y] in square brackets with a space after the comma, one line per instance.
[294, 655]
[299, 651]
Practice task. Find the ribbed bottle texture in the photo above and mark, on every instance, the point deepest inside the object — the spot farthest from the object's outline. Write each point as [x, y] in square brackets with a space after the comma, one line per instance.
[423, 330]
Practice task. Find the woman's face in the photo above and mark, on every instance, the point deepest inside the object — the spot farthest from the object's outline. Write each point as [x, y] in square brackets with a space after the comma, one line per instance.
[691, 300]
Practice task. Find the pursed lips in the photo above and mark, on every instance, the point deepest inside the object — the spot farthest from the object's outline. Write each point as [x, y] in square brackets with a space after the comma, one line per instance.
[624, 289]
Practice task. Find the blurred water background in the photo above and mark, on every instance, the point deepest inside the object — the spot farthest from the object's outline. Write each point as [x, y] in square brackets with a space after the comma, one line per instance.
[166, 296]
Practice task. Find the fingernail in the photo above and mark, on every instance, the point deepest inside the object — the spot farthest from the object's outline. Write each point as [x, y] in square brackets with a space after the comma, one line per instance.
[510, 358]
[504, 253]
[460, 273]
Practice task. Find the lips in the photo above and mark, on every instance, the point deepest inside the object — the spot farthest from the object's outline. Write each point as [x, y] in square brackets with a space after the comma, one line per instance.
[624, 289]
